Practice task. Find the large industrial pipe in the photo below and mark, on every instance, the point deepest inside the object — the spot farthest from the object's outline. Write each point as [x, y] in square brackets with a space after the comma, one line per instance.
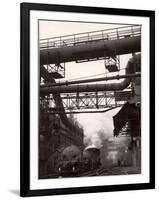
[90, 50]
[117, 77]
[130, 69]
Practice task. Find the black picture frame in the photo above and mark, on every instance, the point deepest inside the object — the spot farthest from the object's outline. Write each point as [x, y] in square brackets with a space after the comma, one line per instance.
[25, 9]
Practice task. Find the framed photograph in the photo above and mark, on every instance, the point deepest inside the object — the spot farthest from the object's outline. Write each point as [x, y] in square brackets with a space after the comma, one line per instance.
[87, 99]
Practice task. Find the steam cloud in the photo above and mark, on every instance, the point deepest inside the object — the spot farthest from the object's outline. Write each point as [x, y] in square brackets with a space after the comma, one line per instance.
[97, 127]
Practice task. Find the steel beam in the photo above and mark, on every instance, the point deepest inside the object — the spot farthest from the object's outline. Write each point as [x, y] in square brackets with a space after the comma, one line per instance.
[82, 101]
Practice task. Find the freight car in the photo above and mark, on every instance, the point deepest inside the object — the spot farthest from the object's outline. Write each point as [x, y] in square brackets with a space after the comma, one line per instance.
[70, 161]
[73, 161]
[91, 158]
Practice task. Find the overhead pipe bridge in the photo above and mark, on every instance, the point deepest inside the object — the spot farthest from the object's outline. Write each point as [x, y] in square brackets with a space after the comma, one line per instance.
[130, 69]
[94, 45]
[86, 47]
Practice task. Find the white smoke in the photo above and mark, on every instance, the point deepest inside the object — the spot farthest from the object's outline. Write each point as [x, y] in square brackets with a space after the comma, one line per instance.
[97, 127]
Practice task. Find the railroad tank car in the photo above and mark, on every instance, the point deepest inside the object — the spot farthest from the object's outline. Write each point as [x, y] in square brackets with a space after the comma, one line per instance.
[91, 158]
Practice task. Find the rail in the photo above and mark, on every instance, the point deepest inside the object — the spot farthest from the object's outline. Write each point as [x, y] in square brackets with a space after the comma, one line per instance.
[80, 38]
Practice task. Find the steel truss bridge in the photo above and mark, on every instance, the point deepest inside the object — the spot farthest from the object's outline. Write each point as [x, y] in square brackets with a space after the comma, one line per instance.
[80, 102]
[84, 47]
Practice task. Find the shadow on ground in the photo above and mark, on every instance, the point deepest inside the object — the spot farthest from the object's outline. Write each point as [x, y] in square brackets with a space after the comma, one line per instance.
[15, 192]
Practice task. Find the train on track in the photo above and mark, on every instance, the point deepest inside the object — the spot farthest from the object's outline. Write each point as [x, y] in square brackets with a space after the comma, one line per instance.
[74, 161]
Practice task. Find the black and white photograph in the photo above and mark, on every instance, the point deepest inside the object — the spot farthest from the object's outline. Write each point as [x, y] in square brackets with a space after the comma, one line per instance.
[89, 99]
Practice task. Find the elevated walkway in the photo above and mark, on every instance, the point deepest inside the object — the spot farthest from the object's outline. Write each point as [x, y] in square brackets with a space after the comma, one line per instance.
[90, 46]
[80, 38]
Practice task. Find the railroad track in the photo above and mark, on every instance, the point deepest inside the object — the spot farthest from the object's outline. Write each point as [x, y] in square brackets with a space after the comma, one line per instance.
[100, 172]
[110, 171]
[94, 172]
